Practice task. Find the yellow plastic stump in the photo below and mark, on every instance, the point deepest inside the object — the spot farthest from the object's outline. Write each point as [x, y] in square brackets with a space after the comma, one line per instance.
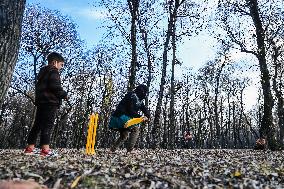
[92, 132]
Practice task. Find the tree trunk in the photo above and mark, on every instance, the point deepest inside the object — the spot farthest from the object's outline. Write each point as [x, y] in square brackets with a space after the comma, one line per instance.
[11, 16]
[240, 125]
[211, 135]
[166, 134]
[234, 126]
[216, 116]
[156, 127]
[149, 80]
[267, 129]
[228, 124]
[277, 87]
[172, 89]
[133, 7]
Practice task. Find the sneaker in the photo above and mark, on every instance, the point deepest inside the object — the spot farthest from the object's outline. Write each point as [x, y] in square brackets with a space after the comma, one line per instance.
[31, 151]
[48, 153]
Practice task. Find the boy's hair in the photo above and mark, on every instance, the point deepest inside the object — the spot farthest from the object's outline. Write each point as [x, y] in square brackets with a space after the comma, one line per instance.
[141, 91]
[142, 87]
[54, 56]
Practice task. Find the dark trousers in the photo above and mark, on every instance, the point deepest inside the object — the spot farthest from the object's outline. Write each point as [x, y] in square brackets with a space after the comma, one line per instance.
[134, 133]
[44, 122]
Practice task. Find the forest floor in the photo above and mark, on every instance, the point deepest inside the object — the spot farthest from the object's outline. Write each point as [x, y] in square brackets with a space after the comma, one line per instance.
[147, 169]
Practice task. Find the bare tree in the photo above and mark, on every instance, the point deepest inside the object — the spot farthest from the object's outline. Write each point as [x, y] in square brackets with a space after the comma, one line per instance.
[277, 83]
[11, 15]
[243, 12]
[156, 126]
[185, 14]
[133, 6]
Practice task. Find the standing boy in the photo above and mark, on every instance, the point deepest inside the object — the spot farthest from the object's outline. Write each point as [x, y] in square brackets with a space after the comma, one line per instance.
[48, 97]
[127, 109]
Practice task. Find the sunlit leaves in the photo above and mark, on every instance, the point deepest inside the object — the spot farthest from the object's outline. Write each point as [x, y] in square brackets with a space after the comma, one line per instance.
[148, 168]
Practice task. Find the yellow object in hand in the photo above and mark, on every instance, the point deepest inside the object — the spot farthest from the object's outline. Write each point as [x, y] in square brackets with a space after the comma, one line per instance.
[133, 121]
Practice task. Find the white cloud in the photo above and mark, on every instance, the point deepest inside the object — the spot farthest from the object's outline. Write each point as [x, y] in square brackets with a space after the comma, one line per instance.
[92, 13]
[195, 52]
[250, 96]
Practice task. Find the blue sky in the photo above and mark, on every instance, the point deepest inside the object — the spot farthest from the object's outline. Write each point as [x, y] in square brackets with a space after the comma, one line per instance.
[83, 13]
[194, 53]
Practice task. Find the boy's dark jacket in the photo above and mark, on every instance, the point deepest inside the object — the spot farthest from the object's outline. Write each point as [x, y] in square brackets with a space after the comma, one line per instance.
[130, 105]
[48, 87]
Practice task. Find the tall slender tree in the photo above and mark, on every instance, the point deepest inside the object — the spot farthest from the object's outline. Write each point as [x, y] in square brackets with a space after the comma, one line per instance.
[158, 111]
[133, 6]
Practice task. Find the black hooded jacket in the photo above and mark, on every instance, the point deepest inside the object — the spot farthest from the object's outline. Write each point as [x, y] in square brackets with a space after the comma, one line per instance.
[48, 87]
[131, 104]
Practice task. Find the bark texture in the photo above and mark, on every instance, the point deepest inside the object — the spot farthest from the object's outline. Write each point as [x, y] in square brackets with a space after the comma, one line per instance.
[11, 16]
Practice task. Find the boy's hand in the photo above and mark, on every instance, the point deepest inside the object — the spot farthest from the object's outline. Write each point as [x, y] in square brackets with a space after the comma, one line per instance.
[145, 118]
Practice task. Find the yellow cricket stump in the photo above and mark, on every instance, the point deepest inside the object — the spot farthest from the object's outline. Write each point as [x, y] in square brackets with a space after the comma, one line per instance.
[92, 131]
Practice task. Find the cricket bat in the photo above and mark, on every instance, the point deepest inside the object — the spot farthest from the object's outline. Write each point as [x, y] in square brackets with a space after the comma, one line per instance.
[133, 121]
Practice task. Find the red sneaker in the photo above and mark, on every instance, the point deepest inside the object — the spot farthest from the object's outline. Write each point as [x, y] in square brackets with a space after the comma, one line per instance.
[31, 151]
[48, 153]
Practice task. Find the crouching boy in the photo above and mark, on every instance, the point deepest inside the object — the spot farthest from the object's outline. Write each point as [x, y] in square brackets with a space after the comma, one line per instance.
[127, 109]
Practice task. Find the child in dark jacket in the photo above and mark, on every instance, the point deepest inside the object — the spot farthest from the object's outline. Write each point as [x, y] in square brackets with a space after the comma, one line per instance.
[127, 109]
[48, 97]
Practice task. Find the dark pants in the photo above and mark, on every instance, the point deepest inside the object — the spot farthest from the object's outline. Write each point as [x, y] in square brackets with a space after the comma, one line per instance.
[134, 133]
[44, 122]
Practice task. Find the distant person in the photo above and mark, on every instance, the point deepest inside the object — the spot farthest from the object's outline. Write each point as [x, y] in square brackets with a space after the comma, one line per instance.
[127, 109]
[187, 136]
[48, 97]
[260, 144]
[188, 139]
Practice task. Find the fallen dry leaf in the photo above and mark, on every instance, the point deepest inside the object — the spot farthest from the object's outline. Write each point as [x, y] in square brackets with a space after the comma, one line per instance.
[148, 169]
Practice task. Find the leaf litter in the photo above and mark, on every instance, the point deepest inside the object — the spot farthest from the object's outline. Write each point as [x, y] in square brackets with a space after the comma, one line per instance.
[155, 169]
